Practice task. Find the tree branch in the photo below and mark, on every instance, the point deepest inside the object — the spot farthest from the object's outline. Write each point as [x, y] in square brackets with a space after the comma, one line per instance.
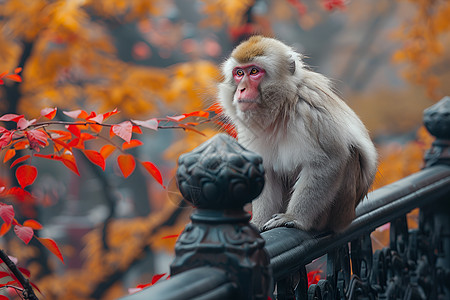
[28, 292]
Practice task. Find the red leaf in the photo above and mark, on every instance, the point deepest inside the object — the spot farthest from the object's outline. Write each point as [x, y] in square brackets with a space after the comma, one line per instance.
[3, 130]
[24, 123]
[75, 114]
[20, 194]
[4, 229]
[64, 145]
[109, 114]
[152, 123]
[7, 213]
[107, 150]
[123, 130]
[91, 115]
[6, 139]
[52, 246]
[24, 233]
[25, 272]
[3, 74]
[61, 135]
[98, 119]
[74, 130]
[153, 170]
[11, 117]
[69, 161]
[14, 77]
[200, 113]
[26, 175]
[37, 138]
[96, 158]
[132, 144]
[86, 136]
[4, 274]
[126, 164]
[33, 224]
[20, 159]
[141, 286]
[22, 145]
[36, 287]
[96, 127]
[137, 129]
[170, 236]
[157, 277]
[76, 143]
[176, 118]
[17, 70]
[49, 113]
[9, 154]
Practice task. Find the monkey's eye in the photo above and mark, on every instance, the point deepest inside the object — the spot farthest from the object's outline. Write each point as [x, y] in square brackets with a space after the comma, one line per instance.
[254, 71]
[239, 72]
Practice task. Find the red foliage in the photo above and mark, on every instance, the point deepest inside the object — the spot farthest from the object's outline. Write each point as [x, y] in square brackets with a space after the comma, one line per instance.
[35, 135]
[6, 213]
[14, 77]
[123, 130]
[24, 233]
[95, 157]
[127, 164]
[52, 246]
[26, 175]
[153, 170]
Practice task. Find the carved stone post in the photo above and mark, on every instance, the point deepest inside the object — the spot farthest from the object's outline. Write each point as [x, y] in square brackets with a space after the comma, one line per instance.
[437, 122]
[219, 178]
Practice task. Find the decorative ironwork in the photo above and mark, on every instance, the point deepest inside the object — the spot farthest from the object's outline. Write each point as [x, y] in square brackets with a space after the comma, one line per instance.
[416, 265]
[437, 121]
[219, 178]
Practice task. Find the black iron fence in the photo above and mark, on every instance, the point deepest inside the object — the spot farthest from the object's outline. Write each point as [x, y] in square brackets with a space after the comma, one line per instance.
[221, 256]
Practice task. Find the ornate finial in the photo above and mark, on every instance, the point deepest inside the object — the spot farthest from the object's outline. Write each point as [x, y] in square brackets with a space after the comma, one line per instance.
[437, 121]
[220, 174]
[219, 178]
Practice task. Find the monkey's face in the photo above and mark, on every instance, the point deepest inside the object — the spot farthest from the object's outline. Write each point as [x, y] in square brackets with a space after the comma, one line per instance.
[248, 79]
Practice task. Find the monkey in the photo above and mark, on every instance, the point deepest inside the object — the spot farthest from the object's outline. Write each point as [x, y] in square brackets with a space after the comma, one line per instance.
[318, 157]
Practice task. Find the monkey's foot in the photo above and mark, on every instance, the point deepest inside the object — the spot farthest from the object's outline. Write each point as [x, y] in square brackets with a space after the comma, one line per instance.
[282, 220]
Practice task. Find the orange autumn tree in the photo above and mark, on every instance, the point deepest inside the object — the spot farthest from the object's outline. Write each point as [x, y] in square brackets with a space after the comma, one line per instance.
[425, 38]
[66, 56]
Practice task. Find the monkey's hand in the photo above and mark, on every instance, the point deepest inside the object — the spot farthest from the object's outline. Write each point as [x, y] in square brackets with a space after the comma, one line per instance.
[282, 220]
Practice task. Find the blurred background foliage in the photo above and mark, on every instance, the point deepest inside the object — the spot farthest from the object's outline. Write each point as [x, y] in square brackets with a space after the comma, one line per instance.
[151, 58]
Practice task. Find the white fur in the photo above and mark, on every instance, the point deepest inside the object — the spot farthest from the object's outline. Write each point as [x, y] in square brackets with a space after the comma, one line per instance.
[317, 154]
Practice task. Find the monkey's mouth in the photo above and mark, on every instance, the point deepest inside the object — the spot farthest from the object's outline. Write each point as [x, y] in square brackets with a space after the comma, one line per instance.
[247, 104]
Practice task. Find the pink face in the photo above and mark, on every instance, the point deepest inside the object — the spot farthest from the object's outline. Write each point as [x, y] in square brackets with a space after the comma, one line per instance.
[247, 79]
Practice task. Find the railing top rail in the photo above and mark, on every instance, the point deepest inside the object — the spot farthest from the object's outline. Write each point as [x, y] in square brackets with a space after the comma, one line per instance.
[207, 282]
[298, 248]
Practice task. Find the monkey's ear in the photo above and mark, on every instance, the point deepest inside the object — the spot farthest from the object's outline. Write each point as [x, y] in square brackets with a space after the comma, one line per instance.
[292, 66]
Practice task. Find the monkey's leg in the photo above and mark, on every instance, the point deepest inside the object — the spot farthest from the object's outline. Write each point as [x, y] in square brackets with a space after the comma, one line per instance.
[312, 198]
[269, 202]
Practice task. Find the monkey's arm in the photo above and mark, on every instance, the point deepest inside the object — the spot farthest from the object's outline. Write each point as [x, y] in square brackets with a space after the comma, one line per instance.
[269, 202]
[312, 197]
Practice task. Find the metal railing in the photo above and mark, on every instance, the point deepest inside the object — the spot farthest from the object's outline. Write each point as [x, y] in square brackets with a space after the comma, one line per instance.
[220, 256]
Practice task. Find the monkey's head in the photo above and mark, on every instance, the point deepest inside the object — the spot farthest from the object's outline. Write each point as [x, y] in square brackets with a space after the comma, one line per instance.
[259, 79]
